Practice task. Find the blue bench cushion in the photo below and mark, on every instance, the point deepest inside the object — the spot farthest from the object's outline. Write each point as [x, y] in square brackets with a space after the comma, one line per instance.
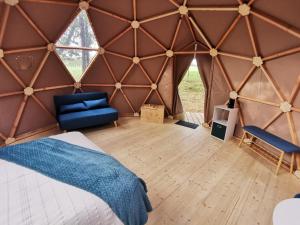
[272, 139]
[72, 108]
[87, 118]
[96, 104]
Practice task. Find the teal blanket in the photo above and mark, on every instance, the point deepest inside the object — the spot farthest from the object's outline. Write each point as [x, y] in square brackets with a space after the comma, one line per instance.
[89, 170]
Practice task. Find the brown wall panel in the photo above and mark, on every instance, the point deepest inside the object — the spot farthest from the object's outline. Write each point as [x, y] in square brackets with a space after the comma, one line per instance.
[274, 27]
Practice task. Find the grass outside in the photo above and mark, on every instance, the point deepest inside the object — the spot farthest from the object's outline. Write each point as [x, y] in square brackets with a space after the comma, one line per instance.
[75, 69]
[191, 91]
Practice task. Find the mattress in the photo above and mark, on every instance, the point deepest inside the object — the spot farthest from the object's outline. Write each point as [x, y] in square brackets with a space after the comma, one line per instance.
[30, 198]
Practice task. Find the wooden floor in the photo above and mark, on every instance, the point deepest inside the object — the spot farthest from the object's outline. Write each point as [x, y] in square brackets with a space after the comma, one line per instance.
[194, 117]
[194, 179]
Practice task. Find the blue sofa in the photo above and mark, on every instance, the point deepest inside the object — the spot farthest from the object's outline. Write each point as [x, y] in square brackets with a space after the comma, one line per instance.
[83, 110]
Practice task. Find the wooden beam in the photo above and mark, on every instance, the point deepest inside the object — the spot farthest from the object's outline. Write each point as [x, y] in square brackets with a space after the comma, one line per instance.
[118, 54]
[235, 56]
[228, 31]
[153, 38]
[251, 34]
[127, 72]
[153, 56]
[109, 68]
[18, 117]
[60, 2]
[200, 32]
[127, 100]
[176, 33]
[226, 77]
[214, 9]
[43, 106]
[11, 94]
[159, 17]
[38, 71]
[4, 22]
[272, 120]
[281, 54]
[53, 88]
[246, 78]
[102, 11]
[174, 3]
[280, 26]
[12, 73]
[145, 73]
[295, 91]
[22, 50]
[273, 84]
[117, 37]
[259, 101]
[32, 24]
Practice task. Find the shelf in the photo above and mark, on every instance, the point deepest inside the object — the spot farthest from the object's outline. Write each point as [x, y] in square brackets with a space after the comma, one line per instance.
[222, 122]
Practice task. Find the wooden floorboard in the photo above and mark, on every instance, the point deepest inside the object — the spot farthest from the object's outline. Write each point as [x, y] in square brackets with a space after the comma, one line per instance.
[194, 179]
[194, 117]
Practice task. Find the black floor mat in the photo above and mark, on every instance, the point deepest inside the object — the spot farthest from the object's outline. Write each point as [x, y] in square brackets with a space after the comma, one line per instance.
[187, 124]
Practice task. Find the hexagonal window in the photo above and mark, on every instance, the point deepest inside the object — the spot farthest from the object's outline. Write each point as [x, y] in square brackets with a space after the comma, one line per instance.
[77, 47]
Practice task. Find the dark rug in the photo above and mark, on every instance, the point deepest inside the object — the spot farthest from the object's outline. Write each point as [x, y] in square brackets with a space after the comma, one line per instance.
[187, 124]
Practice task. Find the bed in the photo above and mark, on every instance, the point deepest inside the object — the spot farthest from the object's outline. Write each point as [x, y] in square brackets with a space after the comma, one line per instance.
[31, 198]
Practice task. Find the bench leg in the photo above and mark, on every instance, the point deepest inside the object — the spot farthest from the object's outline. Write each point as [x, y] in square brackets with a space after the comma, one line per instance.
[292, 163]
[116, 124]
[279, 162]
[242, 140]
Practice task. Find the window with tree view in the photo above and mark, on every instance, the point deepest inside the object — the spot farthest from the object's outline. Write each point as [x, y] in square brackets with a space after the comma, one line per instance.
[77, 47]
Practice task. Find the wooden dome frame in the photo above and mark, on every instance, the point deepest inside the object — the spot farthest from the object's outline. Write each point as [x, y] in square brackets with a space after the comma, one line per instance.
[184, 10]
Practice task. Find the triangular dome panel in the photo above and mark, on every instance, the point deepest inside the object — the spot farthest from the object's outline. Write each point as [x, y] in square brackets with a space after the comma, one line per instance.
[46, 97]
[33, 112]
[103, 22]
[119, 65]
[153, 66]
[237, 69]
[219, 22]
[147, 9]
[137, 96]
[53, 74]
[122, 47]
[25, 64]
[120, 103]
[8, 83]
[235, 44]
[9, 112]
[259, 87]
[147, 46]
[136, 77]
[16, 28]
[168, 28]
[50, 18]
[271, 39]
[284, 67]
[123, 10]
[184, 36]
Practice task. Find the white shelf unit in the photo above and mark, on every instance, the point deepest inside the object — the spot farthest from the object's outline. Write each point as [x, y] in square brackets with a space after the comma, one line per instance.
[223, 122]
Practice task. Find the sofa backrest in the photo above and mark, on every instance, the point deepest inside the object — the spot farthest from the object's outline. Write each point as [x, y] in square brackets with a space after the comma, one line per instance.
[76, 98]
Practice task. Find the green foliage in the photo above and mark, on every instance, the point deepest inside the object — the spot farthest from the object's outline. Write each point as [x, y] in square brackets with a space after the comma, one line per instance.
[191, 91]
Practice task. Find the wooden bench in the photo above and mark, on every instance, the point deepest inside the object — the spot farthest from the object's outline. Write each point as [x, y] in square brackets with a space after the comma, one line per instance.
[276, 142]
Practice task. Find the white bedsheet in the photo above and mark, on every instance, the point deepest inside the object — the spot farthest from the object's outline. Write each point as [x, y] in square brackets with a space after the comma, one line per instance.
[30, 198]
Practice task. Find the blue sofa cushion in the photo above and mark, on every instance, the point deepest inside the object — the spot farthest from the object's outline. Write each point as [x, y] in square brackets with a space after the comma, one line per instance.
[272, 139]
[87, 118]
[72, 108]
[94, 104]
